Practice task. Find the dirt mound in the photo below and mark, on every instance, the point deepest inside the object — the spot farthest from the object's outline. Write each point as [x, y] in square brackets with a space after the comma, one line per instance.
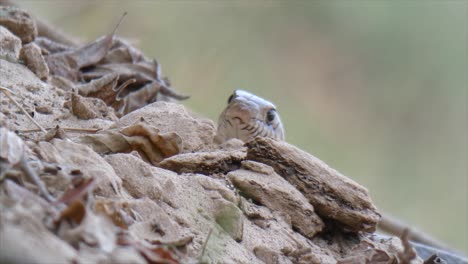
[125, 175]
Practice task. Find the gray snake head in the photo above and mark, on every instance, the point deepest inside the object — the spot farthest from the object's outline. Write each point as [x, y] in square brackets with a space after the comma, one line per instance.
[248, 116]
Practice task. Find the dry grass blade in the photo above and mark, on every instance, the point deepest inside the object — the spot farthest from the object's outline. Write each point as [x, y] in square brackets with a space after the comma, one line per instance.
[8, 93]
[205, 244]
[67, 129]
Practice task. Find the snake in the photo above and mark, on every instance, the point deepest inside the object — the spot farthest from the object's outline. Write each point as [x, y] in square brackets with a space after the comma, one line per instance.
[247, 116]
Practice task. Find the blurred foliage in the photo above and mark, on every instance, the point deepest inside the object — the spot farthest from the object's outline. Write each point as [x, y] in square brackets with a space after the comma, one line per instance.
[377, 89]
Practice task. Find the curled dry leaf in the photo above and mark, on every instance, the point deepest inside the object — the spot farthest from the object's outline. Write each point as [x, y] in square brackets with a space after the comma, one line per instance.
[113, 70]
[68, 63]
[145, 139]
[153, 254]
[99, 86]
[115, 211]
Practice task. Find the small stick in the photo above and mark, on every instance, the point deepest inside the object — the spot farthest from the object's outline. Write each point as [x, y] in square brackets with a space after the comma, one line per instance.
[35, 178]
[396, 227]
[205, 244]
[8, 93]
[68, 129]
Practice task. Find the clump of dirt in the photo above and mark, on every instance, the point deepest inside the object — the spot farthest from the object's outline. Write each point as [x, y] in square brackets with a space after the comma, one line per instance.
[126, 175]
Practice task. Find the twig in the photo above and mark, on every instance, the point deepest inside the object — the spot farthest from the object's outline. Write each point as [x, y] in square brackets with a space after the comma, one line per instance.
[408, 253]
[395, 227]
[118, 23]
[68, 129]
[8, 92]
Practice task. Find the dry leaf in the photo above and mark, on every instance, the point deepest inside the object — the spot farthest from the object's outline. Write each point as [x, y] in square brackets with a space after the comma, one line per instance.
[68, 63]
[114, 211]
[49, 46]
[145, 139]
[75, 211]
[99, 86]
[153, 254]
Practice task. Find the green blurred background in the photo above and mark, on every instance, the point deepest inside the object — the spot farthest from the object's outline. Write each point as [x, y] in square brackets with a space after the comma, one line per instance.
[377, 89]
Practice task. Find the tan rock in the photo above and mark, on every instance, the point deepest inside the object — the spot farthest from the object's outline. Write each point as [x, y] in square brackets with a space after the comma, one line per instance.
[19, 22]
[72, 156]
[332, 194]
[197, 133]
[274, 192]
[10, 45]
[32, 57]
[207, 163]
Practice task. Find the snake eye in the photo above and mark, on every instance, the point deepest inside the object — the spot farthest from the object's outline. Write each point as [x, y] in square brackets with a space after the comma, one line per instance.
[271, 114]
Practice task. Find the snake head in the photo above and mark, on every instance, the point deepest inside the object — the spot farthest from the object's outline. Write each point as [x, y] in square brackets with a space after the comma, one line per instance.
[248, 116]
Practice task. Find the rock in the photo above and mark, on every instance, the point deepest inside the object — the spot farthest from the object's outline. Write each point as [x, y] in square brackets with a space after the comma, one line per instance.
[229, 217]
[197, 133]
[145, 184]
[155, 225]
[71, 156]
[204, 162]
[333, 195]
[32, 57]
[10, 45]
[44, 109]
[89, 108]
[197, 203]
[25, 239]
[266, 255]
[19, 22]
[274, 192]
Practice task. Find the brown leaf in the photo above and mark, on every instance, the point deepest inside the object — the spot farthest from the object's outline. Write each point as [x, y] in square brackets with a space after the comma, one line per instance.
[75, 212]
[153, 254]
[140, 98]
[145, 139]
[96, 87]
[122, 51]
[166, 145]
[67, 63]
[141, 72]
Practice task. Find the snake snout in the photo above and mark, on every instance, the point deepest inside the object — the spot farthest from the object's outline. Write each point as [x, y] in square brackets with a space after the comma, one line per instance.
[242, 112]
